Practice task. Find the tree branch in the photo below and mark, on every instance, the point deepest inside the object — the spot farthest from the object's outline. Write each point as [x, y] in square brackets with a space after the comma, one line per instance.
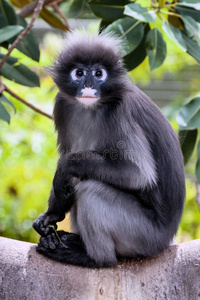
[6, 89]
[37, 10]
[28, 9]
[58, 10]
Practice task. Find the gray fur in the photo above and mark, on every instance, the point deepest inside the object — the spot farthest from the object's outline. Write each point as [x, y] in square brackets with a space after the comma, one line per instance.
[129, 196]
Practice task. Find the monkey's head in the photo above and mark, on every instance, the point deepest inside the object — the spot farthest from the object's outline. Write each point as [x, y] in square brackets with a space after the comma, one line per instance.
[90, 69]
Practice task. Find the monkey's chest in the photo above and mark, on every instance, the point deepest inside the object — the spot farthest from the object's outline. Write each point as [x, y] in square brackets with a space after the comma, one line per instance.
[85, 137]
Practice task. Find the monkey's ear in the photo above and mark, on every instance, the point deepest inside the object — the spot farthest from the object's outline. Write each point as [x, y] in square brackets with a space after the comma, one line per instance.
[120, 64]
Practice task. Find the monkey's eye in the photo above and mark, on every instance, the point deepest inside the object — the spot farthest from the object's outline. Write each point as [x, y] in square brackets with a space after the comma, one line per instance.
[77, 73]
[100, 74]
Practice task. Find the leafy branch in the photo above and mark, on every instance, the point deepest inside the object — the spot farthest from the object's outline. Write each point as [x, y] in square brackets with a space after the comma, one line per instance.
[34, 8]
[37, 10]
[139, 24]
[4, 88]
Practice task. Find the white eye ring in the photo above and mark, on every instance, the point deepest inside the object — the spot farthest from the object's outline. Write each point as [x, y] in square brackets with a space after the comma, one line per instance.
[101, 77]
[74, 74]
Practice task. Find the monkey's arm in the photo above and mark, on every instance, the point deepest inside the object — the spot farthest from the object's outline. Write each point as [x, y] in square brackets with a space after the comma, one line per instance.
[55, 213]
[119, 172]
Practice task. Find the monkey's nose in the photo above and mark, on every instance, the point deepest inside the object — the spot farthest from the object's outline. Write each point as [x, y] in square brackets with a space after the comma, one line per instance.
[88, 83]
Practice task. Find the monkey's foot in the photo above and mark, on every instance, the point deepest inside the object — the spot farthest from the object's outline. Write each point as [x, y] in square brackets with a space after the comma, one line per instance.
[67, 248]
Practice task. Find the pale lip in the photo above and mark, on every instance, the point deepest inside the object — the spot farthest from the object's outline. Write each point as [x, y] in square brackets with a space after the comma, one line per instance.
[87, 100]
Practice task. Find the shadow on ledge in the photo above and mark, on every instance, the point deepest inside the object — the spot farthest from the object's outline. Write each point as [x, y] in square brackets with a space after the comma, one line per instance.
[173, 275]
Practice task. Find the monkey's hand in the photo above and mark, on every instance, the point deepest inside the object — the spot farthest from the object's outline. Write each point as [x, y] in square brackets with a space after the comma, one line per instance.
[44, 223]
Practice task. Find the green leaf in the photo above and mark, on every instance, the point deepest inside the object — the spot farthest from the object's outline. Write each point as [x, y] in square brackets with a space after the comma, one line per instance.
[5, 100]
[136, 57]
[76, 8]
[192, 47]
[52, 19]
[175, 34]
[143, 14]
[130, 31]
[7, 14]
[8, 32]
[155, 48]
[190, 3]
[108, 10]
[183, 11]
[4, 115]
[29, 44]
[189, 116]
[187, 140]
[198, 163]
[192, 28]
[19, 73]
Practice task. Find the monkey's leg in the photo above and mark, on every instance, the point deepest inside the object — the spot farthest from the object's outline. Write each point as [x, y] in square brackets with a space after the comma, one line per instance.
[67, 248]
[114, 223]
[111, 224]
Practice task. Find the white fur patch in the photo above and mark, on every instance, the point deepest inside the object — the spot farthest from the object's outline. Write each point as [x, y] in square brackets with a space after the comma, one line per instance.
[88, 96]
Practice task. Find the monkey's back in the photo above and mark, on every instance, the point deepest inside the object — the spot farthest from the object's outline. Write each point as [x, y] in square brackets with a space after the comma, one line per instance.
[169, 192]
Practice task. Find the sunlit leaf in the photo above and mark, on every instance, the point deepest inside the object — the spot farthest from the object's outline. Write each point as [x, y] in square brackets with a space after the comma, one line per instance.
[6, 101]
[161, 3]
[189, 116]
[143, 14]
[155, 48]
[175, 34]
[190, 3]
[187, 141]
[108, 10]
[130, 32]
[4, 115]
[19, 3]
[198, 163]
[8, 32]
[19, 73]
[52, 19]
[7, 14]
[193, 47]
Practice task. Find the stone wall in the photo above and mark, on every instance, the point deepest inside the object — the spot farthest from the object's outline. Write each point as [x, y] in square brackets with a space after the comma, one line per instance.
[27, 275]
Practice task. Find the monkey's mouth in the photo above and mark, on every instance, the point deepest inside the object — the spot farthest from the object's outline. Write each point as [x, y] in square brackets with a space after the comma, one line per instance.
[88, 96]
[87, 100]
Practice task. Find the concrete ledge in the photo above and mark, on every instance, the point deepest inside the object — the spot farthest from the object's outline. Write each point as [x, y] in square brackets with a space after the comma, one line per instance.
[173, 275]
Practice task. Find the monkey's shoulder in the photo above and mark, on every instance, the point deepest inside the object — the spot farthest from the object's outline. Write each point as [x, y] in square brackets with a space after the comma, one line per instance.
[142, 109]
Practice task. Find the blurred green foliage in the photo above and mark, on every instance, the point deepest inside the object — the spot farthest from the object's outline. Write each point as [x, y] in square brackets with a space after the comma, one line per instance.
[28, 153]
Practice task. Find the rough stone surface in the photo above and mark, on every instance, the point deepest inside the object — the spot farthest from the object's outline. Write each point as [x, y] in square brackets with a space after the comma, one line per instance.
[173, 275]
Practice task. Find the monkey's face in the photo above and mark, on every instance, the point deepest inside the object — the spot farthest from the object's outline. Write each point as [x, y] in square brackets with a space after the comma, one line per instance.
[90, 72]
[88, 83]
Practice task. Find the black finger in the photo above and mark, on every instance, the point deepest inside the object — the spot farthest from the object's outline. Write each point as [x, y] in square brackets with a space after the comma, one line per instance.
[55, 239]
[44, 242]
[51, 242]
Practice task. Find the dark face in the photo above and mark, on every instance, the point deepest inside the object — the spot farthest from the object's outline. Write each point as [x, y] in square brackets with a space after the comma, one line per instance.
[88, 81]
[93, 75]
